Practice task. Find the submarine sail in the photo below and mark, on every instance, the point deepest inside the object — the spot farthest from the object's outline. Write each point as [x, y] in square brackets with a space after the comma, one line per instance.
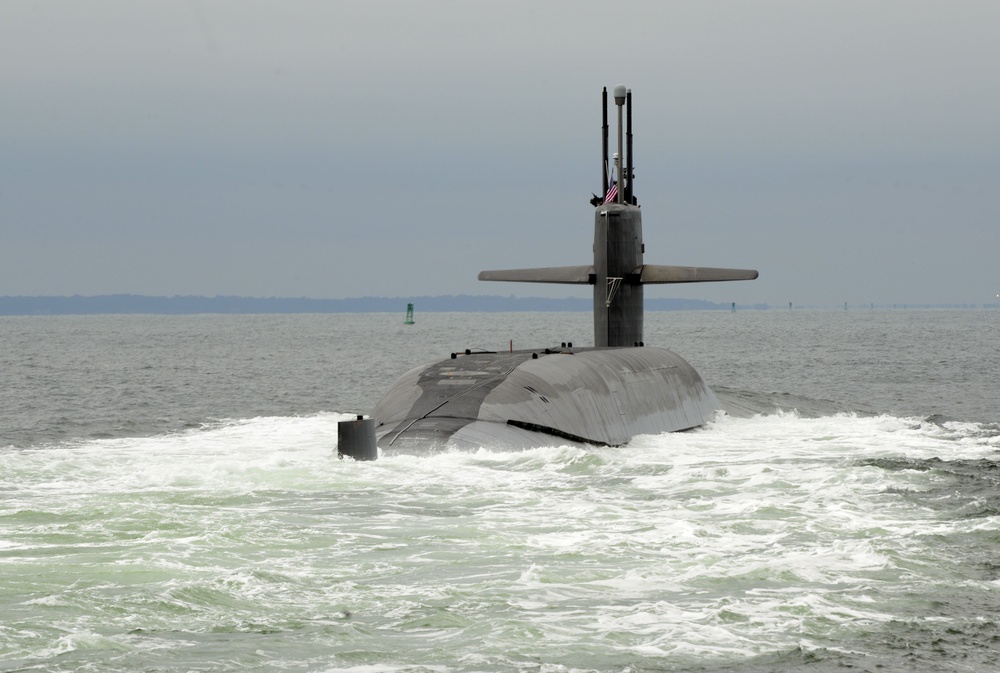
[600, 395]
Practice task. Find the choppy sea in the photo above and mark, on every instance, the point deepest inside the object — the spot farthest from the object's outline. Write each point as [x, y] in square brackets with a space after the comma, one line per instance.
[171, 500]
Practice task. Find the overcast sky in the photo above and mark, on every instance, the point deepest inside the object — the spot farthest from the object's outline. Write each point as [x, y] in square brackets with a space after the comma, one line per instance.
[850, 151]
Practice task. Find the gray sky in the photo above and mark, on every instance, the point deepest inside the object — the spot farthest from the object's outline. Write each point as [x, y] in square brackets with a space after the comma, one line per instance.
[849, 150]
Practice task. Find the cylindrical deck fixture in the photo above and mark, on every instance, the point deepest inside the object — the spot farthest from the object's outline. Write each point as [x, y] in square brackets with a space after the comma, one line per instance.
[356, 439]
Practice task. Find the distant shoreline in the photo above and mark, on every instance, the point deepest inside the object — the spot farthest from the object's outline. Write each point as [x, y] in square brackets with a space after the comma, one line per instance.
[126, 304]
[187, 305]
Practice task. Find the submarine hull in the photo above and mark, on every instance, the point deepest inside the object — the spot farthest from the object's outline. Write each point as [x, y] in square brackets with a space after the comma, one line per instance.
[604, 395]
[523, 399]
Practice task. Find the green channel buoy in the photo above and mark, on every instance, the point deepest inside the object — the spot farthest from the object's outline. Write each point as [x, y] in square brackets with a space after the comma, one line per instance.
[409, 315]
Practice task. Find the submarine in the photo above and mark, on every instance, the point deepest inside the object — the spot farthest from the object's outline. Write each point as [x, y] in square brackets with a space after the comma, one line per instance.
[599, 395]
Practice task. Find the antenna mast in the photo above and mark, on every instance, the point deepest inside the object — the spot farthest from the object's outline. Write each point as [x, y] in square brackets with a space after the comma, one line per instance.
[620, 94]
[604, 143]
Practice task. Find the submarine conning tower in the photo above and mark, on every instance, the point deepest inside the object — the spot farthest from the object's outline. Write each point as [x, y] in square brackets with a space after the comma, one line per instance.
[618, 247]
[618, 302]
[618, 272]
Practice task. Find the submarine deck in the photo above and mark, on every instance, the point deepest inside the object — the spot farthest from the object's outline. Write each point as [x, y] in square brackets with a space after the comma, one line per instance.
[517, 399]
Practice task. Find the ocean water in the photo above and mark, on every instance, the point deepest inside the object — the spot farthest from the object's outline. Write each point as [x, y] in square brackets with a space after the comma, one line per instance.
[171, 500]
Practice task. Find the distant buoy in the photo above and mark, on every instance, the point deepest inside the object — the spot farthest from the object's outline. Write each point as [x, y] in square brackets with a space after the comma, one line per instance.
[409, 315]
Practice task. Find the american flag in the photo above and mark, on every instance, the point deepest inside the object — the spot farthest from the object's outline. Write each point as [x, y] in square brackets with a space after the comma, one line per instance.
[612, 192]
